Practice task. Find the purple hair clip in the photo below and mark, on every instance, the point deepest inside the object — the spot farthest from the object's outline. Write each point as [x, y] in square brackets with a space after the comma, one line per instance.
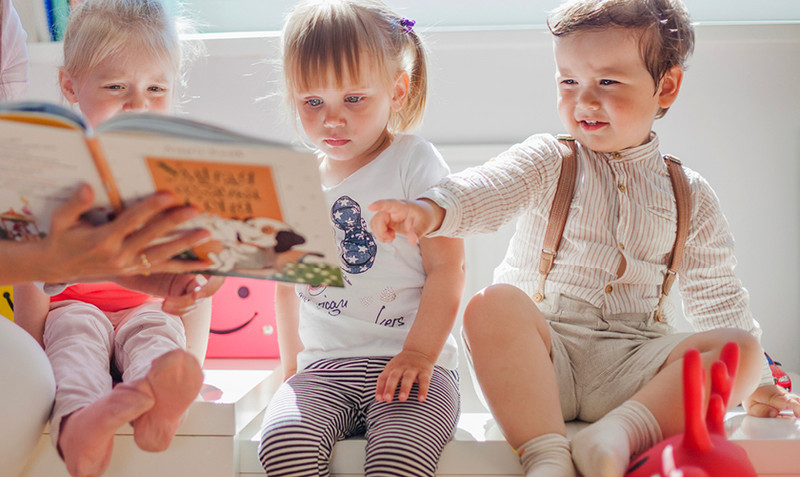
[407, 24]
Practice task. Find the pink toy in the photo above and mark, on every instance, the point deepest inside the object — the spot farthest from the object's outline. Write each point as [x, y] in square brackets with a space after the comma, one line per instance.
[702, 450]
[243, 320]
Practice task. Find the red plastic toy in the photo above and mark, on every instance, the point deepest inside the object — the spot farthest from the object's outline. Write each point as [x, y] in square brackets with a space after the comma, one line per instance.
[781, 378]
[702, 450]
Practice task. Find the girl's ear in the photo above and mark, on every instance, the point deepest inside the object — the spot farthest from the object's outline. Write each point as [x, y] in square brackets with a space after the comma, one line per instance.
[400, 91]
[67, 84]
[670, 85]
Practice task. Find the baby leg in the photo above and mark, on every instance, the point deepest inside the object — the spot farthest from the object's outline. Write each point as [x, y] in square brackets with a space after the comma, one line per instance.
[509, 342]
[87, 435]
[86, 414]
[150, 352]
[407, 437]
[656, 410]
[308, 414]
[174, 380]
[547, 455]
[604, 449]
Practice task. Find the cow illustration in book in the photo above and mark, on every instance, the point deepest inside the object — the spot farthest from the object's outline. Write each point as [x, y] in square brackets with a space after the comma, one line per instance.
[703, 449]
[254, 245]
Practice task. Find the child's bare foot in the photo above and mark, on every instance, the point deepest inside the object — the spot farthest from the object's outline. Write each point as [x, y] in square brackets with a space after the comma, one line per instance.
[174, 379]
[87, 435]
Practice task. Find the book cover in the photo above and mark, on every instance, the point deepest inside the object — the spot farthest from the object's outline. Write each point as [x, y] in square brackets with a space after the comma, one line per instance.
[261, 201]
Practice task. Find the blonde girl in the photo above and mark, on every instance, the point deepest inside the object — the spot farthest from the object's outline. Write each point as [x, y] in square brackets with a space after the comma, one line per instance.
[120, 55]
[375, 357]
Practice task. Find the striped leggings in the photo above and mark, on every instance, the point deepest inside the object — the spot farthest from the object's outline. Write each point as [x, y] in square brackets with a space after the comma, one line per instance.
[335, 399]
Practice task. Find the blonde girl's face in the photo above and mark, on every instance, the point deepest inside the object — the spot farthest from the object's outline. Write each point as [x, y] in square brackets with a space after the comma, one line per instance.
[348, 123]
[132, 81]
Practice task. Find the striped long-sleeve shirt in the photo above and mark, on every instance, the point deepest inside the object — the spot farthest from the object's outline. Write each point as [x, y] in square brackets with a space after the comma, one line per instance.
[623, 209]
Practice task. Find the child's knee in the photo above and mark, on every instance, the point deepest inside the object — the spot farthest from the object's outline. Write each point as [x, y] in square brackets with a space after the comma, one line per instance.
[750, 351]
[290, 446]
[498, 307]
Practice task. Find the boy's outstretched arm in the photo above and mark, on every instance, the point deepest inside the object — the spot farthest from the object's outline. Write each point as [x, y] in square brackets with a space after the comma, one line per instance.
[443, 259]
[412, 218]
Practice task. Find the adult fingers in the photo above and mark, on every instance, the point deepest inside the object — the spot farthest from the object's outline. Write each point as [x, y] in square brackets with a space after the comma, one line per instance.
[160, 254]
[143, 227]
[136, 216]
[68, 213]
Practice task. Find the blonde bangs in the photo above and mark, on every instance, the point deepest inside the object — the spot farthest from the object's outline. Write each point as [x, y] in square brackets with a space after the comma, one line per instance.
[100, 29]
[324, 48]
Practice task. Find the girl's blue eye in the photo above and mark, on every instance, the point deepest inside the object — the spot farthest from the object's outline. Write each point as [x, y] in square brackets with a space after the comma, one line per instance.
[353, 99]
[607, 82]
[314, 102]
[569, 81]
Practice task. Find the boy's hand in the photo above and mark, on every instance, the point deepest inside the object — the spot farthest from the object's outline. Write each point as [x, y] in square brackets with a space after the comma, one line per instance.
[405, 369]
[413, 218]
[770, 400]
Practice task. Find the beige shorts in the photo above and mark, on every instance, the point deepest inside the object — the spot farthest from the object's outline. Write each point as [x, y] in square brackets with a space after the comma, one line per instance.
[602, 360]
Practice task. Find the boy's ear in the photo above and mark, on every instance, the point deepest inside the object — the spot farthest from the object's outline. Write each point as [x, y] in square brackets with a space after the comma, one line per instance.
[670, 85]
[67, 84]
[400, 91]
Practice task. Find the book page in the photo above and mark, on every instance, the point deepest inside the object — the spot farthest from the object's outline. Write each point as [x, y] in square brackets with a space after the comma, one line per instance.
[263, 203]
[41, 167]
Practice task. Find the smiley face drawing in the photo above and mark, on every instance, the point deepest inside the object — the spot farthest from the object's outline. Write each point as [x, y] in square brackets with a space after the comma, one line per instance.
[243, 320]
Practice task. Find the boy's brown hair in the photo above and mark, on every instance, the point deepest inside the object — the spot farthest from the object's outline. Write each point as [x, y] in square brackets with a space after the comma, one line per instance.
[667, 34]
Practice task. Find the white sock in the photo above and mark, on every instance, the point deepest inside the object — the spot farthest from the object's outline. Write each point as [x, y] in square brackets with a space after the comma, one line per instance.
[546, 456]
[604, 449]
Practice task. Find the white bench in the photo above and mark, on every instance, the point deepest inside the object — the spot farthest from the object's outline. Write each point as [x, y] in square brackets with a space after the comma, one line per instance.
[220, 438]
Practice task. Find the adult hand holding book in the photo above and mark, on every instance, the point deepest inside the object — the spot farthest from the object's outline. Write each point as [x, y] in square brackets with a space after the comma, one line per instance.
[75, 250]
[260, 203]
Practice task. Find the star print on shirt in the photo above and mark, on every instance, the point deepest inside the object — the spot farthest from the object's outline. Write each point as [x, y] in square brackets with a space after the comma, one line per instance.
[358, 248]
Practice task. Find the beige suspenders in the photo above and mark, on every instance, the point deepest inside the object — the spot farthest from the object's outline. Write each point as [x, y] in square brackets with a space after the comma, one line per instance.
[559, 210]
[680, 187]
[561, 202]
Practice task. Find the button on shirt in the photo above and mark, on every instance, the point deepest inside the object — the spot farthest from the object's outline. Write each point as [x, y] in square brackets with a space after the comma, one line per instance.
[620, 198]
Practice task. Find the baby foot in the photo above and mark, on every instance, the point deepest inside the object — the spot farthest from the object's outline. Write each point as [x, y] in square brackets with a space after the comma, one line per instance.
[174, 380]
[86, 438]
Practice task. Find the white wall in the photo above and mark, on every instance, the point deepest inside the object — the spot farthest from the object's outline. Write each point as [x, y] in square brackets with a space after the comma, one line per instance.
[737, 122]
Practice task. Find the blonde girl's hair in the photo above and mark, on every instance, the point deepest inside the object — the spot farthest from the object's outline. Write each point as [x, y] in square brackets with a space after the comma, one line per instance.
[333, 39]
[667, 33]
[100, 28]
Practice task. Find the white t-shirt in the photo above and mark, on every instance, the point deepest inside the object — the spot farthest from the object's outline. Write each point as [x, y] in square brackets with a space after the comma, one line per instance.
[372, 314]
[13, 55]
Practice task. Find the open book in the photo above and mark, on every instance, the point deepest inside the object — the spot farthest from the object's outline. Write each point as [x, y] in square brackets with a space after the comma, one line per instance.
[262, 201]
